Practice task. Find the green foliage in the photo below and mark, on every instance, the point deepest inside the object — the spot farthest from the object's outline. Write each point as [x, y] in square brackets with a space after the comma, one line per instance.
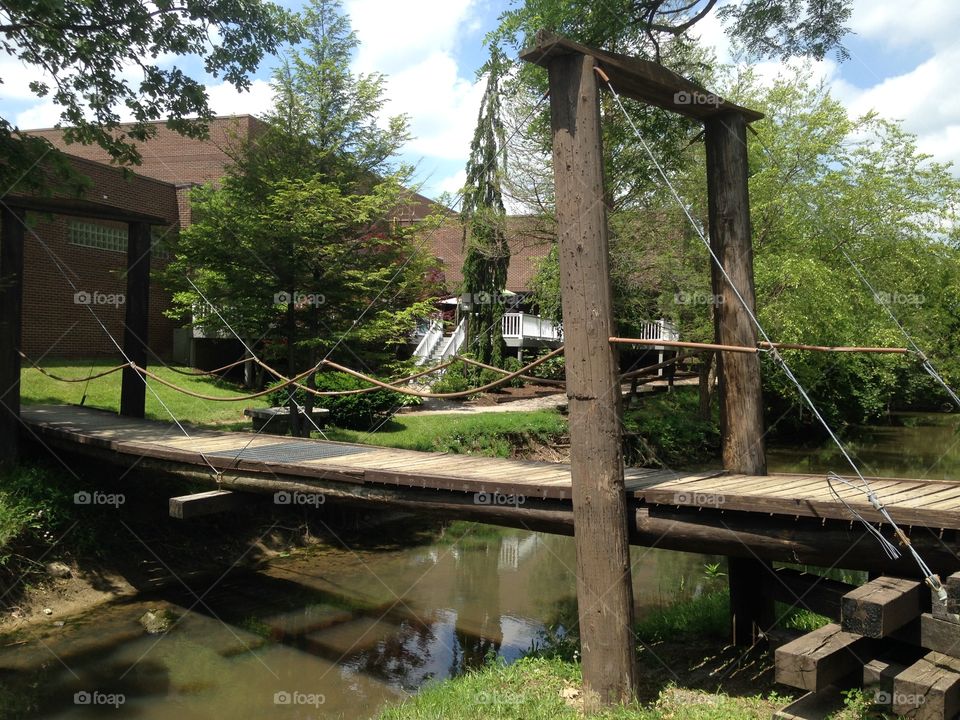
[81, 47]
[487, 254]
[666, 430]
[295, 246]
[362, 411]
[512, 364]
[707, 615]
[456, 378]
[35, 505]
[552, 369]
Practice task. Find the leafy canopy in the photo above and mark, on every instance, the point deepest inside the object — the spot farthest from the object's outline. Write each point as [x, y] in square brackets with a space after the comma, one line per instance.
[99, 59]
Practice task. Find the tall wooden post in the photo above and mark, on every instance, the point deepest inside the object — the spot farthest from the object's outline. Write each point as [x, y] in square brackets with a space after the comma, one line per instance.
[604, 587]
[133, 389]
[741, 400]
[12, 224]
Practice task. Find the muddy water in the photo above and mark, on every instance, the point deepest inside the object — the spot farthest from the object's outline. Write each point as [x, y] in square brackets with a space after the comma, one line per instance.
[916, 445]
[333, 635]
[341, 633]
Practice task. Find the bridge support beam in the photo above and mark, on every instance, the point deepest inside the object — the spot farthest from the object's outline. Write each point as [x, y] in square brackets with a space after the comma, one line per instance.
[133, 389]
[604, 587]
[12, 224]
[741, 400]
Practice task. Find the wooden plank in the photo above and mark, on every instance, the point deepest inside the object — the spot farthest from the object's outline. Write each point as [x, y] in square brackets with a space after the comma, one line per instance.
[186, 507]
[878, 675]
[929, 689]
[639, 79]
[877, 608]
[821, 658]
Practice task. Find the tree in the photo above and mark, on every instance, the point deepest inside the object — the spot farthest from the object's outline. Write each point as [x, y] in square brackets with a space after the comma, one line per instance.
[87, 50]
[483, 215]
[297, 244]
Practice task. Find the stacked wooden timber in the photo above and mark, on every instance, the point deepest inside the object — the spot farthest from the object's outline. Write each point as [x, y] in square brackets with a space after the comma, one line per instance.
[895, 640]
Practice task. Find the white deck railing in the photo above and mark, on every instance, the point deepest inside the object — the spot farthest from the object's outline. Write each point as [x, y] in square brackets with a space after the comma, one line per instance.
[658, 330]
[428, 343]
[520, 326]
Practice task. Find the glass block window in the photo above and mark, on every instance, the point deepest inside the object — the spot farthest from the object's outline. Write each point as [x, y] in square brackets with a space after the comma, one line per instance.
[93, 235]
[103, 237]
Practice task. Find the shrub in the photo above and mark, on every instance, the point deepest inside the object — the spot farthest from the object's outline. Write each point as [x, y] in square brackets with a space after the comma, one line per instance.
[511, 364]
[362, 411]
[455, 378]
[552, 369]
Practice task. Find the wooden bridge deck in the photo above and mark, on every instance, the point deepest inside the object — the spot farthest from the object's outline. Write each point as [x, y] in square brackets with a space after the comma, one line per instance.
[911, 502]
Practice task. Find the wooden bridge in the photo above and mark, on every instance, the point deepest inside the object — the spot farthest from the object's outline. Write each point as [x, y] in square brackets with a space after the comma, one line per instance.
[787, 517]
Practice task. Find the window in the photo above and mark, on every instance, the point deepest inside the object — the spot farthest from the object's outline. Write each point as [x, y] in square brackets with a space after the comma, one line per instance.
[92, 235]
[103, 237]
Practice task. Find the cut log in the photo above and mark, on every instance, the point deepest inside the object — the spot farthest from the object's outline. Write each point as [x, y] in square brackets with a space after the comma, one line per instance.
[186, 507]
[813, 706]
[929, 689]
[821, 658]
[881, 606]
[939, 635]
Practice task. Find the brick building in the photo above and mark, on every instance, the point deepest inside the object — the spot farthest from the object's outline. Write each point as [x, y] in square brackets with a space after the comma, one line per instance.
[91, 250]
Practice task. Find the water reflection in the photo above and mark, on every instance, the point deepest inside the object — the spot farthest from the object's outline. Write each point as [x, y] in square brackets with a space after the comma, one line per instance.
[916, 445]
[355, 629]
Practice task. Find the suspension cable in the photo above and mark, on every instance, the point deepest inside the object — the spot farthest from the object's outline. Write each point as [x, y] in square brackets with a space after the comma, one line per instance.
[932, 579]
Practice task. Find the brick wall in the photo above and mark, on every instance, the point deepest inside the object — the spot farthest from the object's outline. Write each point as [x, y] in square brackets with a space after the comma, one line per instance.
[54, 324]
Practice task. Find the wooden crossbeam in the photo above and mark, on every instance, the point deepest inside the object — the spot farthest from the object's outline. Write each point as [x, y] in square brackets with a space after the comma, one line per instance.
[186, 507]
[821, 658]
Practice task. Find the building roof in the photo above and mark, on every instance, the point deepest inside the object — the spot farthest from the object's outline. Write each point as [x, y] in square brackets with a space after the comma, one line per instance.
[170, 156]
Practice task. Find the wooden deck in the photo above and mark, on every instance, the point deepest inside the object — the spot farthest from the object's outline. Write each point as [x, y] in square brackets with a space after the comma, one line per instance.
[920, 503]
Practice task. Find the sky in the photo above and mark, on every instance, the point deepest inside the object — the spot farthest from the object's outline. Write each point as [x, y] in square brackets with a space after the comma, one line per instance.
[900, 66]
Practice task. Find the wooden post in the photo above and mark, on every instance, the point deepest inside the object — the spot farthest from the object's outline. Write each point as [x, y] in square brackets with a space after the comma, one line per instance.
[604, 588]
[741, 400]
[12, 224]
[133, 389]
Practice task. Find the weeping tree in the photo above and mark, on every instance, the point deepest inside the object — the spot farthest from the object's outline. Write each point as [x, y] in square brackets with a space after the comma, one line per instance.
[487, 253]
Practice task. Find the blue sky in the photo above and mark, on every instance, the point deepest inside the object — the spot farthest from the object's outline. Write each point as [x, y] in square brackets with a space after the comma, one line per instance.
[902, 66]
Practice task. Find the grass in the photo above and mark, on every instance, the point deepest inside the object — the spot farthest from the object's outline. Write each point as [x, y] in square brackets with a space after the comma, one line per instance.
[547, 683]
[492, 434]
[546, 689]
[104, 393]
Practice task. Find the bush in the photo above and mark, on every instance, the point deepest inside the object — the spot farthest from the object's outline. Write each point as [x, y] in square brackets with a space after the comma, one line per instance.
[455, 378]
[552, 369]
[362, 411]
[511, 364]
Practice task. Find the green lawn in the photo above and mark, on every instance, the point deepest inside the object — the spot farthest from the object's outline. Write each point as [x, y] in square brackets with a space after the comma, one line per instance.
[494, 434]
[105, 392]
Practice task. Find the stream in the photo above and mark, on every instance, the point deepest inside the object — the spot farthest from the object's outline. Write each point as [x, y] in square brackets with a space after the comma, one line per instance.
[340, 633]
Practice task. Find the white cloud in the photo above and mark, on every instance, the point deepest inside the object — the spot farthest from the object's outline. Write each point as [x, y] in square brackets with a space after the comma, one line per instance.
[42, 115]
[895, 23]
[225, 99]
[413, 45]
[452, 184]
